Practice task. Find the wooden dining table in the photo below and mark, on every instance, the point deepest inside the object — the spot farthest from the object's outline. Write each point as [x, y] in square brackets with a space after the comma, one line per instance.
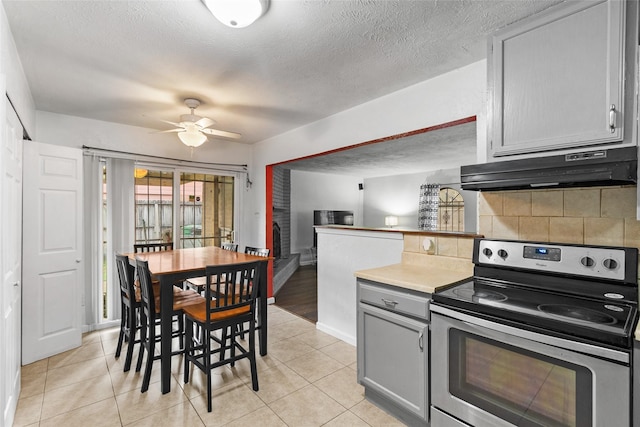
[175, 266]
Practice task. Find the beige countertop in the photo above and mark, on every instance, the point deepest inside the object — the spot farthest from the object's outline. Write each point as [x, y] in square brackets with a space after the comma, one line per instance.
[428, 275]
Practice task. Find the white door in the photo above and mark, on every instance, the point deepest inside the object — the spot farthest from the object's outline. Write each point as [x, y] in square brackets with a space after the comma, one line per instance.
[52, 294]
[11, 250]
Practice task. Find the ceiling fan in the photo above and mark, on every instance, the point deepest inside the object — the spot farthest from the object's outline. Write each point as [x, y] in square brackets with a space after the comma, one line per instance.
[193, 130]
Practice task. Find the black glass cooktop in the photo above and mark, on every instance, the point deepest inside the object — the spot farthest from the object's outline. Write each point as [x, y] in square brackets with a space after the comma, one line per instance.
[601, 320]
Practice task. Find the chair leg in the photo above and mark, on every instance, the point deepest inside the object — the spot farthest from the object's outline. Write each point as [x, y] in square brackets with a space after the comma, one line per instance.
[181, 329]
[232, 343]
[143, 338]
[151, 342]
[131, 325]
[223, 342]
[122, 328]
[207, 366]
[252, 357]
[188, 351]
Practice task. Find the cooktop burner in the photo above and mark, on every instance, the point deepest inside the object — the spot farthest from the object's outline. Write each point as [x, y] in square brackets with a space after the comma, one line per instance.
[480, 294]
[577, 313]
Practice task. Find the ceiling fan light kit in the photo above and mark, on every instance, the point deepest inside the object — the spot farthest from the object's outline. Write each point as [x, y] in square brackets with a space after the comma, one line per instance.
[192, 137]
[237, 13]
[193, 130]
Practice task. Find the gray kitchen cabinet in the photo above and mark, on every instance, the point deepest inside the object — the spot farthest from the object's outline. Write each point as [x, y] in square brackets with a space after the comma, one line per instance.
[563, 79]
[393, 350]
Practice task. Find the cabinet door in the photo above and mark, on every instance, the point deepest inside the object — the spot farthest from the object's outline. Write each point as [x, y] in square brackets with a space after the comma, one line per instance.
[392, 358]
[557, 80]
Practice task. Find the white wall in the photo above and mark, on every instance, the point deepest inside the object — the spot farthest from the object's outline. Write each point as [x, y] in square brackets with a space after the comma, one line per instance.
[11, 70]
[452, 96]
[314, 191]
[398, 195]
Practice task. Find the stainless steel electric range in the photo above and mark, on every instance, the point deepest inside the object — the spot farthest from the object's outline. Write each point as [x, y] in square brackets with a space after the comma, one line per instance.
[542, 335]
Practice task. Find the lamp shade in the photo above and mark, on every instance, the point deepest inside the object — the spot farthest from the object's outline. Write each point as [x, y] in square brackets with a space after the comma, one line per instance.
[237, 13]
[390, 220]
[192, 138]
[140, 173]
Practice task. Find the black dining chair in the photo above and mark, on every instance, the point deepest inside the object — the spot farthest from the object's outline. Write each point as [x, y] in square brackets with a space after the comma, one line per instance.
[265, 252]
[129, 308]
[220, 318]
[198, 283]
[229, 247]
[150, 318]
[152, 247]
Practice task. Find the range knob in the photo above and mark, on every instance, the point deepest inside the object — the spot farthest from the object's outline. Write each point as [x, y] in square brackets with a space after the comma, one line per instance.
[587, 261]
[487, 252]
[610, 264]
[503, 254]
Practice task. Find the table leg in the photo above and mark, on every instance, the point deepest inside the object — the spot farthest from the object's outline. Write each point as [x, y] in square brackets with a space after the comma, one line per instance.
[262, 309]
[166, 308]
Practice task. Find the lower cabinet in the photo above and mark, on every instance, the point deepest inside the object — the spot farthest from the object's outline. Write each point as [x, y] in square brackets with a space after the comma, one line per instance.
[393, 351]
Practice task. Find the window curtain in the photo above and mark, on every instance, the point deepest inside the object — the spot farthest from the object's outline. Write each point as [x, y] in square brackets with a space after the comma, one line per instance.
[120, 225]
[117, 230]
[92, 239]
[428, 206]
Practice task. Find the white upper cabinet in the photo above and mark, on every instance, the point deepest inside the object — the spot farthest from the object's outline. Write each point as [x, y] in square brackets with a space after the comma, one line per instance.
[563, 79]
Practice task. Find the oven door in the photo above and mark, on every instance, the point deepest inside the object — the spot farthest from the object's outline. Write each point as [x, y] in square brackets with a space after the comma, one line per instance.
[488, 374]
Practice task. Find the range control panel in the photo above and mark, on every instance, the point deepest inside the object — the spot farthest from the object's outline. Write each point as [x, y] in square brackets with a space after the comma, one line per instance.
[591, 261]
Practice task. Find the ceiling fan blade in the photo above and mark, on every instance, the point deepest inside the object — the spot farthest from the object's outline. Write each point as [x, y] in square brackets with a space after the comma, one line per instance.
[170, 130]
[171, 123]
[205, 122]
[223, 133]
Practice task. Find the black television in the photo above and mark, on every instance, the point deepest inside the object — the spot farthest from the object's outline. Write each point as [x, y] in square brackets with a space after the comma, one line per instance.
[328, 217]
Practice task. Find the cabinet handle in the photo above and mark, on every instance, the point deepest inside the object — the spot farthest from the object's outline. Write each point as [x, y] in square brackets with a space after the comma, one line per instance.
[389, 303]
[421, 341]
[612, 118]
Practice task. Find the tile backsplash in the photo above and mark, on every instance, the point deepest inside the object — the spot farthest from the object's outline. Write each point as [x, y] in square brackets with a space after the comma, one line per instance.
[593, 216]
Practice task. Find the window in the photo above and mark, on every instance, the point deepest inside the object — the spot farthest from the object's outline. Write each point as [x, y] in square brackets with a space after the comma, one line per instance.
[450, 210]
[153, 206]
[206, 210]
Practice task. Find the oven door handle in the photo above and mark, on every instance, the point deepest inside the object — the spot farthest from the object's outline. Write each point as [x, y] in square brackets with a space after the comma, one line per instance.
[589, 349]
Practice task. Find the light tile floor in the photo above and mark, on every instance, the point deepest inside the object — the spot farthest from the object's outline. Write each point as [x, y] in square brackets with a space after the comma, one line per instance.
[308, 378]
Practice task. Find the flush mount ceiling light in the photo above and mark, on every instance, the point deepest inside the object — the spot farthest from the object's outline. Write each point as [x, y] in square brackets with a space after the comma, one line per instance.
[237, 13]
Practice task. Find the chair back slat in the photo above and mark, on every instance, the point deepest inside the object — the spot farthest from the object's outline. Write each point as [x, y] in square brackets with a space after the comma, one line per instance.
[146, 289]
[126, 274]
[250, 250]
[231, 287]
[152, 247]
[229, 247]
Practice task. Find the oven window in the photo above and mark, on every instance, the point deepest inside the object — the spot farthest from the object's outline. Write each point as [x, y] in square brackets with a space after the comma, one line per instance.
[517, 385]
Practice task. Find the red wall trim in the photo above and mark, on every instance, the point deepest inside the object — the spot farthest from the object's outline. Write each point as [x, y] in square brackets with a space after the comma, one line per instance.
[269, 226]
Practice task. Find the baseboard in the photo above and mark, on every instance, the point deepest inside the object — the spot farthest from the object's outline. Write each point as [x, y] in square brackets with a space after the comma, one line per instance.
[336, 333]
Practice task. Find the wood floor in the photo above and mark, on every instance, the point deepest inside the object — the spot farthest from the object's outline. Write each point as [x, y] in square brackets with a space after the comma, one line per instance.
[299, 294]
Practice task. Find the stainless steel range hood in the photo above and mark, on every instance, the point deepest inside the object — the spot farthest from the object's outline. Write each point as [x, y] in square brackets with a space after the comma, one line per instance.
[616, 166]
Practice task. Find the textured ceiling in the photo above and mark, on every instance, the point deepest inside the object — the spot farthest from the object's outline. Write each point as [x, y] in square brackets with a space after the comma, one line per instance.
[133, 62]
[415, 153]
